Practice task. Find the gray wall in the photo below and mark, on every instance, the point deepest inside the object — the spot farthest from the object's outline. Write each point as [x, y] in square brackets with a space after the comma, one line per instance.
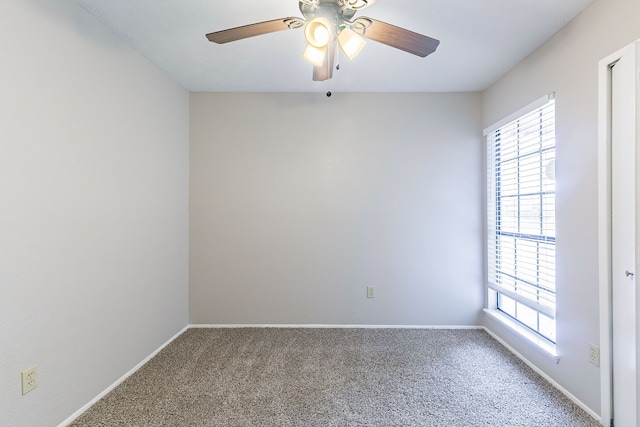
[93, 209]
[568, 65]
[298, 202]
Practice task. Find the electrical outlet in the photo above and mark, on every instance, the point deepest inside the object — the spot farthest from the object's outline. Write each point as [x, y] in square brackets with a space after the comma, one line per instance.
[594, 355]
[29, 379]
[370, 292]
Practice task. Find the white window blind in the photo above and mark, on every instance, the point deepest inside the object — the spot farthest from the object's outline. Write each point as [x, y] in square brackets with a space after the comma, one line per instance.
[521, 218]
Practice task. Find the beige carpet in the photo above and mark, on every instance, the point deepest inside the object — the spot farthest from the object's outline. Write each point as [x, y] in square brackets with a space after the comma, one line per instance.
[335, 377]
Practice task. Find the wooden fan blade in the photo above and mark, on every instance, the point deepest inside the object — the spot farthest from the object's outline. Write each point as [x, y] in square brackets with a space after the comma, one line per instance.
[252, 30]
[325, 72]
[400, 38]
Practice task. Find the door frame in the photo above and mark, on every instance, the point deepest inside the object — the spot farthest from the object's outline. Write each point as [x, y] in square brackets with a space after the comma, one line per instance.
[604, 230]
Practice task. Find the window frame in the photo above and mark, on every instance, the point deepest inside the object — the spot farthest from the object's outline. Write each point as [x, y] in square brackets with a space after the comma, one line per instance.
[494, 221]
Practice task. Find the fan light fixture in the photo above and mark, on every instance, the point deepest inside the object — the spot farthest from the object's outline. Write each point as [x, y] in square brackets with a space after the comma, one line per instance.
[350, 43]
[315, 55]
[317, 31]
[318, 34]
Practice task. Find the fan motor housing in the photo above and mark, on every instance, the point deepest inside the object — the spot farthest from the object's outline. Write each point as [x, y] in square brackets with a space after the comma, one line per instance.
[327, 8]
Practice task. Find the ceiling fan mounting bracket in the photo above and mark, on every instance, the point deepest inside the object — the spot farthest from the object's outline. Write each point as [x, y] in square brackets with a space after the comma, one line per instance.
[294, 23]
[360, 25]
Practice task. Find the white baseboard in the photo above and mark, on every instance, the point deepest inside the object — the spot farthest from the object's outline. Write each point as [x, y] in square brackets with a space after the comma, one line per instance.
[329, 326]
[120, 380]
[545, 376]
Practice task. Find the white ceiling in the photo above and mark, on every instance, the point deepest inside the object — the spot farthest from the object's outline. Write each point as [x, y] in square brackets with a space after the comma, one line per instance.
[480, 41]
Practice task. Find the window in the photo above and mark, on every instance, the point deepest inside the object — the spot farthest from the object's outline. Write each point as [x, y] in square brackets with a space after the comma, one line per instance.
[521, 218]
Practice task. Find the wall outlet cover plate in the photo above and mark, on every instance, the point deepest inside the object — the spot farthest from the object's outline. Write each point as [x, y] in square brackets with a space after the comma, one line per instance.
[29, 379]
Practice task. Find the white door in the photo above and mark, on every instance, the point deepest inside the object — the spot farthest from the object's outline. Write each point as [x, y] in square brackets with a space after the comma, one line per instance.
[623, 228]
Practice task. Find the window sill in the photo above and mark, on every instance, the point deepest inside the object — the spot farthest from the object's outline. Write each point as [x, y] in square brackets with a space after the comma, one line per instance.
[531, 338]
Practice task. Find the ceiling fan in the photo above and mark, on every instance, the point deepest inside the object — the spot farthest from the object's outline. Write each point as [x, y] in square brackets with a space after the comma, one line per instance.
[329, 23]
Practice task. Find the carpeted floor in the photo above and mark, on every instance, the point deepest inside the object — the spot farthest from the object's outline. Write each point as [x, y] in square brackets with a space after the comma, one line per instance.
[335, 377]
